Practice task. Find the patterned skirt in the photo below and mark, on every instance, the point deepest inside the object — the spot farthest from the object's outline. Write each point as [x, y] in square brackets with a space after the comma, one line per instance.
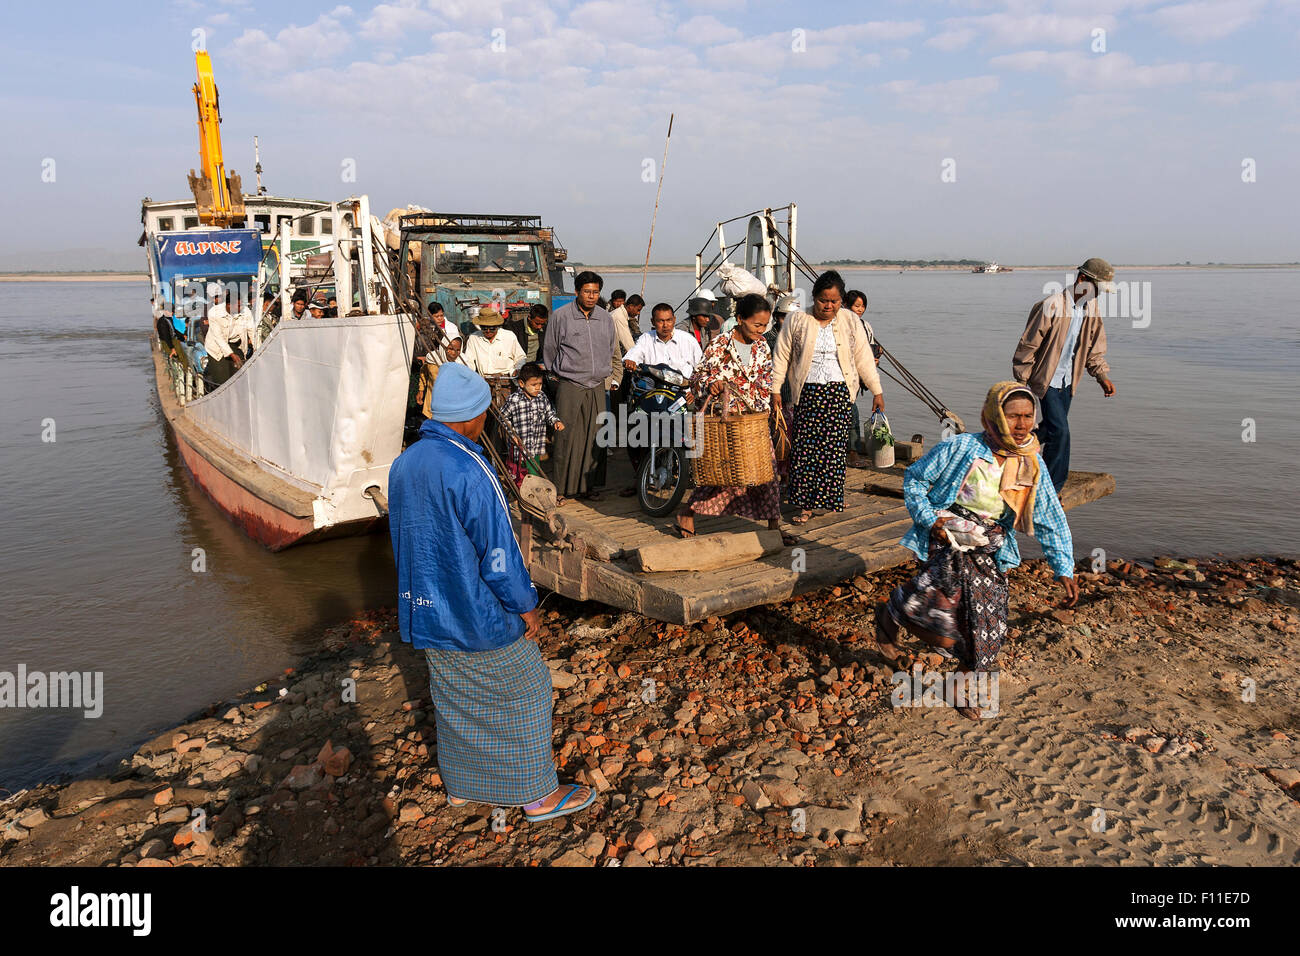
[960, 595]
[821, 438]
[493, 711]
[761, 502]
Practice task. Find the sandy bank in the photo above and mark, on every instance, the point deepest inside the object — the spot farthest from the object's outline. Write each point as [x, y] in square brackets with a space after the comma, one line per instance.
[1153, 724]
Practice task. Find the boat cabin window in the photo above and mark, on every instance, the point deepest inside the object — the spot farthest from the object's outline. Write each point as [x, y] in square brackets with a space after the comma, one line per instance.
[307, 226]
[280, 221]
[191, 222]
[326, 226]
[166, 224]
[263, 223]
[486, 257]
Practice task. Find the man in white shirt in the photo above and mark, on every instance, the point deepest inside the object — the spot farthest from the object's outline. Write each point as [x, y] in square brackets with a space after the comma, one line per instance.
[493, 350]
[665, 345]
[226, 340]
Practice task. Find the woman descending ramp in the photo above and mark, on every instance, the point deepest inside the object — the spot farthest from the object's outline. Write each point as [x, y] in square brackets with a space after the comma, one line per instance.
[968, 496]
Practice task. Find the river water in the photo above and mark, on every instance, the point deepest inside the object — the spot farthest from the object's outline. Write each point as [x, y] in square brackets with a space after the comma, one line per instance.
[100, 525]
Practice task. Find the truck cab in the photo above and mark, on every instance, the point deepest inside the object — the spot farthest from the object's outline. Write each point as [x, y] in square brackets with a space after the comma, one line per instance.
[466, 262]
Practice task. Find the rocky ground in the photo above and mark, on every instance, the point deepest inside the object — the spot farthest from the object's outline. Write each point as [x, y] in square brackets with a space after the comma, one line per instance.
[1153, 724]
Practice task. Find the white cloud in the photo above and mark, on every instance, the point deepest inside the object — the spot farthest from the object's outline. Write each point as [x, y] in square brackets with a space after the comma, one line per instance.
[951, 40]
[852, 43]
[318, 43]
[1280, 93]
[947, 97]
[875, 30]
[1112, 71]
[390, 21]
[1206, 20]
[642, 22]
[1021, 29]
[706, 31]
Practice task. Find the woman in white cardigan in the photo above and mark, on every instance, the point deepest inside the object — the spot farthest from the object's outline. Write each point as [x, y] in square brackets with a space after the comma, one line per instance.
[824, 357]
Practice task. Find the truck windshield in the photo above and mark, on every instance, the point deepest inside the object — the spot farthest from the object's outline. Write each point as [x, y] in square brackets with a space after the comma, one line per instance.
[484, 257]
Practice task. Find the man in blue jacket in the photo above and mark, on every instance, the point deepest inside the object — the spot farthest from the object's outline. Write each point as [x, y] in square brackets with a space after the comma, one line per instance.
[466, 600]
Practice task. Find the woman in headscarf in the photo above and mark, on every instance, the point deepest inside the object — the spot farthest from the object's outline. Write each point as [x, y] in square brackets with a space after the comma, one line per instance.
[823, 357]
[741, 361]
[968, 496]
[448, 351]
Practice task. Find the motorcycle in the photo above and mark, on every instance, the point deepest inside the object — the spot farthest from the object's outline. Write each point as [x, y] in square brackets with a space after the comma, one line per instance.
[658, 399]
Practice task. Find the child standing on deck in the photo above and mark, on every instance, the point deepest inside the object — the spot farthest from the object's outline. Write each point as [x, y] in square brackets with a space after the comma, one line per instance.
[529, 411]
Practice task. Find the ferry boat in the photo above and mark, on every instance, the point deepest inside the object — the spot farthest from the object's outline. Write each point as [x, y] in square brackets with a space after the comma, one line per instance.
[296, 445]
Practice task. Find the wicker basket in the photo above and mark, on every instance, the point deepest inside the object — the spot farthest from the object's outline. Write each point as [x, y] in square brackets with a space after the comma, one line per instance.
[735, 449]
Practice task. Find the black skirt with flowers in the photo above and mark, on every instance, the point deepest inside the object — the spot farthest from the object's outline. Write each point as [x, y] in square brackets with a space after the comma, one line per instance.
[821, 436]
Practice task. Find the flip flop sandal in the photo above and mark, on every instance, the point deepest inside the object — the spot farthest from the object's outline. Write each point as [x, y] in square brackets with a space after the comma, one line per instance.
[560, 808]
[682, 532]
[452, 802]
[801, 518]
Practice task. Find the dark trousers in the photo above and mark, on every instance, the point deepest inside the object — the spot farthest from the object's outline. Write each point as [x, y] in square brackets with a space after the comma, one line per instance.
[573, 463]
[218, 372]
[1054, 433]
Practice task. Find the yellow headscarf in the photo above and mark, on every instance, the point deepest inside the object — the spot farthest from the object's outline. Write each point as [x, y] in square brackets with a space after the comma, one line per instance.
[1019, 462]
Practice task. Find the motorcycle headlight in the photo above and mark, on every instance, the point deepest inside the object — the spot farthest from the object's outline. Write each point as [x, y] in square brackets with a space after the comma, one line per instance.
[672, 378]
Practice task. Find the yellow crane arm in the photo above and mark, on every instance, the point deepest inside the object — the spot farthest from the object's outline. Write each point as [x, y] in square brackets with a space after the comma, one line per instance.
[218, 195]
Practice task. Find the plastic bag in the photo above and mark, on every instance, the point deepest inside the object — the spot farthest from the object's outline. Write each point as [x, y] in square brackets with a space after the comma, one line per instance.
[737, 282]
[962, 533]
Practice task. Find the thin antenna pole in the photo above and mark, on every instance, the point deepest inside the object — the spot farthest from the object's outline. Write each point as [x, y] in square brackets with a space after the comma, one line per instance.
[663, 167]
[257, 167]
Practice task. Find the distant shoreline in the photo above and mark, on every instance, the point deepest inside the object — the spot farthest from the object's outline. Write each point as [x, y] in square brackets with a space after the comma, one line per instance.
[662, 269]
[74, 277]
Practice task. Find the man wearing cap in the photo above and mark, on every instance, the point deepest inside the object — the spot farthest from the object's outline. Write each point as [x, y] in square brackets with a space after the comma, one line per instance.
[705, 324]
[492, 350]
[1063, 338]
[579, 350]
[466, 601]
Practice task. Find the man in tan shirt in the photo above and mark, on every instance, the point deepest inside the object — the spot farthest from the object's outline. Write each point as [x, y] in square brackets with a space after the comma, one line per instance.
[1064, 337]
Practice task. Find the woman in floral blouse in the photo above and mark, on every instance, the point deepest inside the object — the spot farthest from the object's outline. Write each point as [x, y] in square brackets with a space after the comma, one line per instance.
[742, 360]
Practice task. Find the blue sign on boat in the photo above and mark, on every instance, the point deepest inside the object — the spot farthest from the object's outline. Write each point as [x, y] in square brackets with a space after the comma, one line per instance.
[219, 252]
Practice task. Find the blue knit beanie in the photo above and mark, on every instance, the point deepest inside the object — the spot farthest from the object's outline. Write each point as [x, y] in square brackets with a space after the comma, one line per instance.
[459, 394]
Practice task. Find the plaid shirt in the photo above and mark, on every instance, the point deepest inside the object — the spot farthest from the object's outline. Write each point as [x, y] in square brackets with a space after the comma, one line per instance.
[932, 483]
[529, 418]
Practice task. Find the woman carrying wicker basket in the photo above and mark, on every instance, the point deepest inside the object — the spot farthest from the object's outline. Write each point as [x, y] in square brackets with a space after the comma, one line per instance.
[738, 362]
[823, 357]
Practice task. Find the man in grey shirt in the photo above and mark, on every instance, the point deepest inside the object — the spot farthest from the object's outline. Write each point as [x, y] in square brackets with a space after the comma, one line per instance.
[579, 349]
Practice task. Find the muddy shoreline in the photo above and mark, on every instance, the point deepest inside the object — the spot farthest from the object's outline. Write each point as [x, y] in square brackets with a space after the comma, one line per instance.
[770, 738]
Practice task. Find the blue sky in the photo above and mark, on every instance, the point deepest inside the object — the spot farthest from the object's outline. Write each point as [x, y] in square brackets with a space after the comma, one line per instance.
[1061, 151]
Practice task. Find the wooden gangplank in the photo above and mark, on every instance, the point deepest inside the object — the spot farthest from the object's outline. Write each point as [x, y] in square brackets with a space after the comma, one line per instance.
[830, 549]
